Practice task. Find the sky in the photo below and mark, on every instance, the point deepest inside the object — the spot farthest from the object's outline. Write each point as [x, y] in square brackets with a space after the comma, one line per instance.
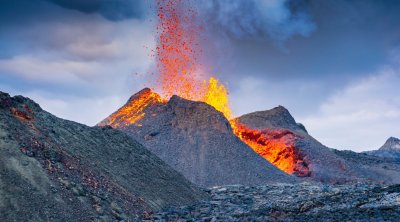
[334, 64]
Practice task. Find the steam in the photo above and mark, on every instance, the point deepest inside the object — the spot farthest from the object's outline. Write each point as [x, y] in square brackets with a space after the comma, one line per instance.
[277, 19]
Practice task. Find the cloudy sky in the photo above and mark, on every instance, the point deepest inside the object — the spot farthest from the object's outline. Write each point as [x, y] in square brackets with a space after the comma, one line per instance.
[335, 64]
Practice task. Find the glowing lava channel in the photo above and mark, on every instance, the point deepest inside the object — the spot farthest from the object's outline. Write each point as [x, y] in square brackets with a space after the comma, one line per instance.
[134, 109]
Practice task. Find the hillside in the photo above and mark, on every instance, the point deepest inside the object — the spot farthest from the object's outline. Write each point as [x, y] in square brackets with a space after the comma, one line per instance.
[325, 164]
[58, 170]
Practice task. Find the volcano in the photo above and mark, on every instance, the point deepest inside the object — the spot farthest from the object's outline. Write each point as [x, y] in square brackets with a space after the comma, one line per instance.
[195, 139]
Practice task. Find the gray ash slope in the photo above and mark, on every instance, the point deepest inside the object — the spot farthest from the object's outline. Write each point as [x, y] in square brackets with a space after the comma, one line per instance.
[288, 202]
[58, 170]
[276, 118]
[391, 149]
[197, 140]
[326, 165]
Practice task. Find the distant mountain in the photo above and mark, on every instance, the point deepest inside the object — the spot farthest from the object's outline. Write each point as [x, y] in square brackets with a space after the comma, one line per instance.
[57, 170]
[391, 144]
[325, 164]
[195, 139]
[391, 149]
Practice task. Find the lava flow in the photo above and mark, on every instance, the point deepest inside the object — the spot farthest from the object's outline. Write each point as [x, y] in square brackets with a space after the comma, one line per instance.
[134, 109]
[179, 72]
[276, 146]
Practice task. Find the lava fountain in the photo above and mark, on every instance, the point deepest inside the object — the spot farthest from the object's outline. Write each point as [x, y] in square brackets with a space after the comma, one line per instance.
[179, 72]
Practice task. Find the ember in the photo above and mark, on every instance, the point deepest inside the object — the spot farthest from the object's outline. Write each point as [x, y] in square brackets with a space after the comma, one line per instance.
[177, 57]
[177, 50]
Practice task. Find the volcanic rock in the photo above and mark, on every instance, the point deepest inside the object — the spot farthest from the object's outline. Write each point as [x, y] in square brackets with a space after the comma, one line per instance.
[57, 170]
[196, 140]
[287, 202]
[276, 118]
[324, 164]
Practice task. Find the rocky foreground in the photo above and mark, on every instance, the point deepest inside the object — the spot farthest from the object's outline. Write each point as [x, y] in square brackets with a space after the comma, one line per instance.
[287, 202]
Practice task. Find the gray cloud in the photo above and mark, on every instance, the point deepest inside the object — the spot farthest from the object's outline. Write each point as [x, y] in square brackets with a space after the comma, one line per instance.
[114, 10]
[70, 60]
[361, 115]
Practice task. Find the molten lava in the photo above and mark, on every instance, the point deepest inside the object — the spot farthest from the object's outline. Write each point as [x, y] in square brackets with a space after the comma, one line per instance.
[134, 109]
[276, 146]
[216, 95]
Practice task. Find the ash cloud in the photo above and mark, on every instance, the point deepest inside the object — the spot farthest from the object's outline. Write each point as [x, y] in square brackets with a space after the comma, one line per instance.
[241, 19]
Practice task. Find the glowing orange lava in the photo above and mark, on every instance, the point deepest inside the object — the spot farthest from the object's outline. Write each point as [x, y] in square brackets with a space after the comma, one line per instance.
[276, 146]
[216, 95]
[134, 109]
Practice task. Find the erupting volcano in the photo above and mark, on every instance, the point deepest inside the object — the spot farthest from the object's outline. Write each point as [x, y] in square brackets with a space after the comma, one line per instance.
[180, 73]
